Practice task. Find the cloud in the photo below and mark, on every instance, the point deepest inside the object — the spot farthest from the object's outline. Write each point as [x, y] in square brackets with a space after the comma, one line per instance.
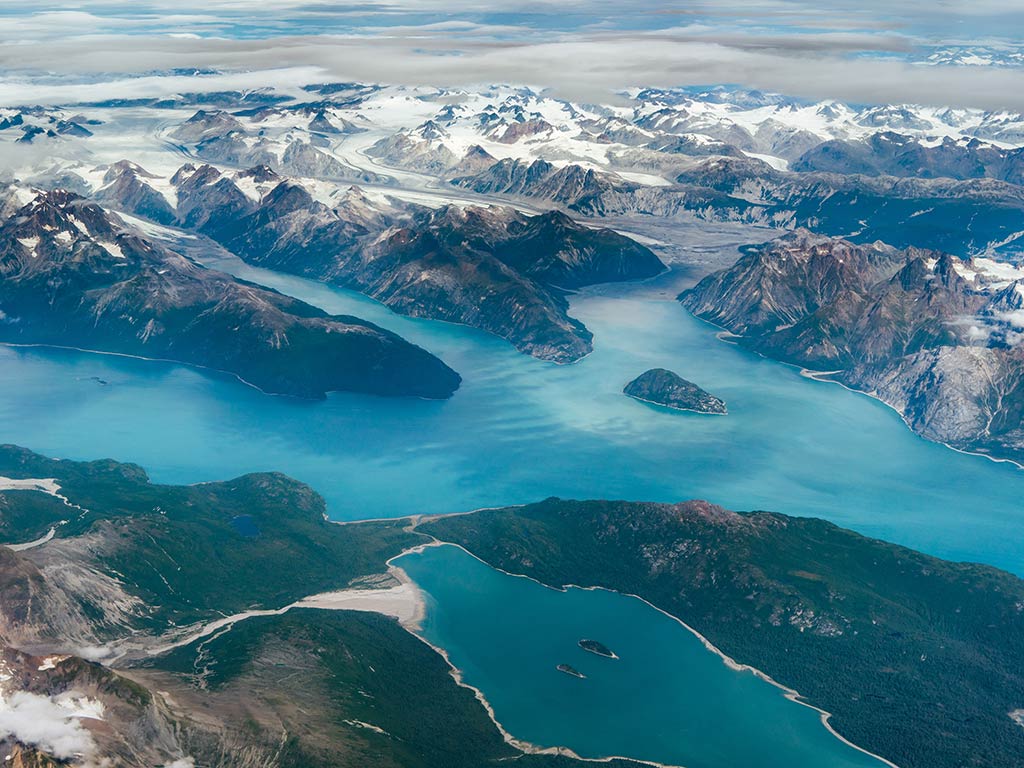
[93, 652]
[582, 67]
[16, 91]
[42, 722]
[860, 51]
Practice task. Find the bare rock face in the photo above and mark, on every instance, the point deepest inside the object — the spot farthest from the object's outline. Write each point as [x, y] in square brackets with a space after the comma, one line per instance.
[958, 216]
[126, 185]
[491, 268]
[666, 388]
[894, 154]
[934, 336]
[967, 397]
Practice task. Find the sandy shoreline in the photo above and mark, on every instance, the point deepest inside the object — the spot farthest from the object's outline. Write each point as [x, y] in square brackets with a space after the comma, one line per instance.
[32, 544]
[403, 602]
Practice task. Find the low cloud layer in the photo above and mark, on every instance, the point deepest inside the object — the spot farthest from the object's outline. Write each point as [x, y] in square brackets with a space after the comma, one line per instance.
[865, 52]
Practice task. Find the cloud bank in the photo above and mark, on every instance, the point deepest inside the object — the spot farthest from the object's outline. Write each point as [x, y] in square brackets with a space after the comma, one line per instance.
[866, 52]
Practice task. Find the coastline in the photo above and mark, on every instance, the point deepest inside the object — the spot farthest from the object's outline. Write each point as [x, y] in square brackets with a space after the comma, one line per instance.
[164, 360]
[789, 693]
[729, 337]
[206, 369]
[525, 747]
[677, 408]
[824, 378]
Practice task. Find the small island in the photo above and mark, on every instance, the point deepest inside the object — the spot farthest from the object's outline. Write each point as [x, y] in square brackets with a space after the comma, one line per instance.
[570, 671]
[600, 649]
[666, 388]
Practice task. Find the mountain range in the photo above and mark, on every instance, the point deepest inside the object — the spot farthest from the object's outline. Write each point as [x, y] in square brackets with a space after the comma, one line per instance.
[489, 267]
[74, 275]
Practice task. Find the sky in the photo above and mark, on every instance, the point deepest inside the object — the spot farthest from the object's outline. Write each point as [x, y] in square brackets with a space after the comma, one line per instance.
[863, 52]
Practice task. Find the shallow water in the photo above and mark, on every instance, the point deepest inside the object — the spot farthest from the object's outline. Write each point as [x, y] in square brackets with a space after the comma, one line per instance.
[667, 698]
[520, 430]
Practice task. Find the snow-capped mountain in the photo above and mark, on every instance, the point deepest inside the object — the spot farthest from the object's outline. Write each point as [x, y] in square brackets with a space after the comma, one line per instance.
[939, 177]
[980, 56]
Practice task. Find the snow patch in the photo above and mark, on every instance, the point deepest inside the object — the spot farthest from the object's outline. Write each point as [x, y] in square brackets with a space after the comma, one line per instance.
[647, 179]
[1000, 273]
[778, 163]
[113, 249]
[30, 244]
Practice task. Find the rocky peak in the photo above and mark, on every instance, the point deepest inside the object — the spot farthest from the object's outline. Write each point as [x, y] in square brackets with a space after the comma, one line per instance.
[431, 130]
[11, 121]
[521, 129]
[704, 510]
[931, 273]
[125, 168]
[183, 173]
[204, 125]
[59, 211]
[1010, 298]
[288, 196]
[260, 174]
[192, 176]
[322, 124]
[476, 160]
[127, 187]
[207, 198]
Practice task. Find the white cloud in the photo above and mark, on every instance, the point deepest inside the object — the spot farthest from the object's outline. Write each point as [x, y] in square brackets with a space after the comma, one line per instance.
[582, 67]
[849, 50]
[45, 723]
[27, 90]
[1014, 318]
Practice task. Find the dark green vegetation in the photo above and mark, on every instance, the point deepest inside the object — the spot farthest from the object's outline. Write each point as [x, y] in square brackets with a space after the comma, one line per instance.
[28, 515]
[593, 646]
[920, 660]
[571, 671]
[149, 556]
[349, 689]
[666, 388]
[137, 562]
[73, 275]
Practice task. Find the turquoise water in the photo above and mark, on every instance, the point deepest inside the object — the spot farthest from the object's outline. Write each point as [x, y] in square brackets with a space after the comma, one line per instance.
[520, 430]
[667, 698]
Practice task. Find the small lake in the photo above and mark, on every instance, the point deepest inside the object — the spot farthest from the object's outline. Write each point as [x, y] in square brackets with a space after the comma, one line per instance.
[667, 698]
